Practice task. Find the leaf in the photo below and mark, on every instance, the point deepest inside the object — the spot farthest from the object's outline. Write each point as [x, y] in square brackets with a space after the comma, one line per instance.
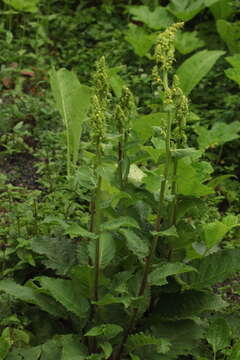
[219, 134]
[185, 9]
[185, 305]
[122, 221]
[23, 5]
[218, 335]
[184, 335]
[213, 268]
[135, 175]
[159, 275]
[72, 348]
[196, 67]
[172, 231]
[189, 178]
[5, 346]
[31, 296]
[186, 42]
[107, 349]
[135, 244]
[116, 82]
[235, 352]
[230, 34]
[72, 101]
[140, 40]
[222, 9]
[83, 279]
[60, 252]
[107, 249]
[137, 341]
[157, 19]
[144, 125]
[66, 294]
[234, 72]
[108, 331]
[214, 232]
[210, 2]
[180, 153]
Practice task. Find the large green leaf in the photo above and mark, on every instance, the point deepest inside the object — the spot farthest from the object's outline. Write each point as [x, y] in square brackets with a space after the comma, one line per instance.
[108, 331]
[185, 305]
[157, 19]
[159, 275]
[230, 34]
[121, 221]
[73, 101]
[72, 348]
[107, 249]
[139, 340]
[31, 296]
[60, 252]
[218, 335]
[219, 134]
[184, 335]
[234, 72]
[144, 124]
[135, 244]
[235, 354]
[190, 178]
[140, 40]
[66, 294]
[186, 9]
[222, 9]
[23, 5]
[215, 231]
[196, 67]
[186, 42]
[213, 268]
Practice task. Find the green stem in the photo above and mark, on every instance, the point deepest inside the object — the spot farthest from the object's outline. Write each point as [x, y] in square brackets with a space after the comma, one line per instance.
[152, 251]
[174, 193]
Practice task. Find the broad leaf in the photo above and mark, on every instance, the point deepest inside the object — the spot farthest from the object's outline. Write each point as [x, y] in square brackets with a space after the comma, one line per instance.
[140, 40]
[235, 354]
[135, 244]
[31, 296]
[137, 341]
[222, 9]
[184, 335]
[213, 269]
[218, 335]
[107, 249]
[24, 5]
[186, 9]
[196, 67]
[116, 82]
[108, 331]
[73, 101]
[60, 253]
[159, 275]
[185, 305]
[144, 125]
[230, 34]
[122, 221]
[219, 134]
[72, 348]
[157, 19]
[234, 72]
[66, 294]
[186, 42]
[191, 176]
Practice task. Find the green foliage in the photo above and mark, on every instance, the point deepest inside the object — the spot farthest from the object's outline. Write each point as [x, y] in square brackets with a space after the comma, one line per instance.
[24, 5]
[196, 67]
[157, 19]
[219, 134]
[72, 100]
[187, 42]
[140, 40]
[230, 34]
[218, 335]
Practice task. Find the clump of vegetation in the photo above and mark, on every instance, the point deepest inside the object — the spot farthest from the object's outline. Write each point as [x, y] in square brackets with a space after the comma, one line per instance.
[121, 242]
